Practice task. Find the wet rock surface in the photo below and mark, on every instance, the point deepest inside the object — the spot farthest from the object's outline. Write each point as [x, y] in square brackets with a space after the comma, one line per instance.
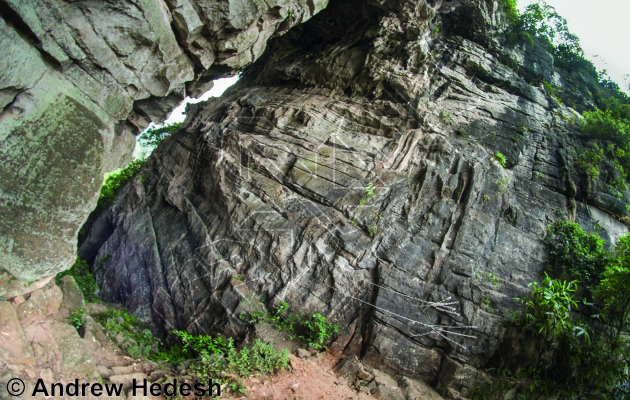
[351, 172]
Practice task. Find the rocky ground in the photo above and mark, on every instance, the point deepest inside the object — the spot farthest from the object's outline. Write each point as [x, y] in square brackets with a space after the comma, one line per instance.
[38, 342]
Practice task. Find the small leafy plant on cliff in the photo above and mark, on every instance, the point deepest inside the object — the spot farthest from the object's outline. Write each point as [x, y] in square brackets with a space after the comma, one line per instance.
[372, 231]
[446, 117]
[500, 158]
[369, 190]
[76, 318]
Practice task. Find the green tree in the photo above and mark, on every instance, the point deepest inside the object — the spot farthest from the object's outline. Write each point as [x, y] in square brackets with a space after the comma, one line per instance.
[576, 253]
[153, 136]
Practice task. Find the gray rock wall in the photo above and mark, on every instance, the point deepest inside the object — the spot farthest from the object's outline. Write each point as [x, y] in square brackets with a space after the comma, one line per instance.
[351, 172]
[78, 81]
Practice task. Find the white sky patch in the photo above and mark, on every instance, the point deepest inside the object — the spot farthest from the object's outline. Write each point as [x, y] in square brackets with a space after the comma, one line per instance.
[177, 115]
[220, 85]
[602, 28]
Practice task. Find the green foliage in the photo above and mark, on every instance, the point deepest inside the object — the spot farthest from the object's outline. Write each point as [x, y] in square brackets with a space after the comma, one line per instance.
[115, 181]
[521, 126]
[141, 344]
[489, 277]
[76, 318]
[510, 10]
[528, 38]
[80, 271]
[612, 123]
[591, 160]
[221, 355]
[315, 329]
[591, 351]
[369, 190]
[552, 91]
[136, 340]
[152, 137]
[500, 158]
[503, 182]
[485, 300]
[372, 231]
[111, 321]
[172, 355]
[446, 117]
[576, 253]
[548, 307]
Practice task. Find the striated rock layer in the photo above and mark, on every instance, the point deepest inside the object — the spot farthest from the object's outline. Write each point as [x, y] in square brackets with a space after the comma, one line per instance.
[78, 81]
[351, 172]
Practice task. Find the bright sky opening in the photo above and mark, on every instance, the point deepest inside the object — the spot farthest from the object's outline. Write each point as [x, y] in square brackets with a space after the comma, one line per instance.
[220, 85]
[602, 28]
[177, 115]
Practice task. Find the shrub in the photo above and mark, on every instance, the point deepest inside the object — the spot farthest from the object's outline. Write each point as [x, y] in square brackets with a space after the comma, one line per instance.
[369, 190]
[576, 253]
[137, 341]
[548, 307]
[510, 10]
[314, 330]
[592, 352]
[612, 123]
[551, 90]
[221, 355]
[446, 117]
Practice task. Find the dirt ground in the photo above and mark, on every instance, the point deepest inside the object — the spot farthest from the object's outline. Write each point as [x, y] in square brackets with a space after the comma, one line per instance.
[306, 379]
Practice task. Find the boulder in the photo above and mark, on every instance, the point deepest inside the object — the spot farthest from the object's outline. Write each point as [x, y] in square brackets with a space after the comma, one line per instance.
[14, 346]
[41, 303]
[76, 358]
[303, 353]
[387, 393]
[416, 390]
[72, 295]
[348, 367]
[92, 333]
[10, 287]
[383, 379]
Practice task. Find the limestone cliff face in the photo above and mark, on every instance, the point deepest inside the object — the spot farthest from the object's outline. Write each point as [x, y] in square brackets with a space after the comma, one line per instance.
[78, 81]
[351, 172]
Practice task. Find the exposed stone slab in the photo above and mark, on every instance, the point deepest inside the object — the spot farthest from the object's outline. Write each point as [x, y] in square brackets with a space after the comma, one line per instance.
[14, 346]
